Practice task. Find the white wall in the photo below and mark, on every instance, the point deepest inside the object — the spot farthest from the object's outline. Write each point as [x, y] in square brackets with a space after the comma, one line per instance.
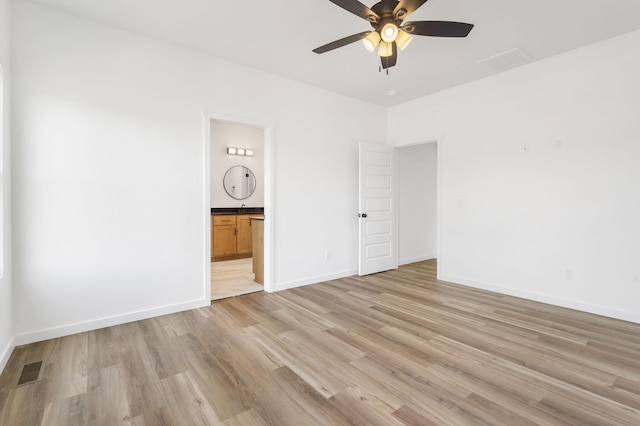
[108, 175]
[6, 319]
[417, 202]
[109, 172]
[225, 135]
[516, 221]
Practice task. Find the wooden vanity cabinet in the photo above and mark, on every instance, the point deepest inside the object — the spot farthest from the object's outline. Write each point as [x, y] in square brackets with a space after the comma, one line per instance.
[223, 236]
[231, 236]
[243, 240]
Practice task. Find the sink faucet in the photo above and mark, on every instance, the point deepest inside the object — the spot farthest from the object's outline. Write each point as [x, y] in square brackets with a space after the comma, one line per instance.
[242, 207]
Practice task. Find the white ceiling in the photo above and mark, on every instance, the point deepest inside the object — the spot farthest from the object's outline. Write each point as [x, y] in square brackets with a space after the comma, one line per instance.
[277, 36]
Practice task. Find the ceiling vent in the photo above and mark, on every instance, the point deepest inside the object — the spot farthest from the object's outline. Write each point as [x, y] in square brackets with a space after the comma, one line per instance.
[507, 60]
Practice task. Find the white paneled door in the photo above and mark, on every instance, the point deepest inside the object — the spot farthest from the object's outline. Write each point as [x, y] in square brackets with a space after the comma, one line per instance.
[377, 213]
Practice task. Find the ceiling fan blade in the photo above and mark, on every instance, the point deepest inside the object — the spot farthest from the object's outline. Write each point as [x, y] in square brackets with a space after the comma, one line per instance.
[390, 61]
[342, 42]
[358, 9]
[409, 7]
[438, 28]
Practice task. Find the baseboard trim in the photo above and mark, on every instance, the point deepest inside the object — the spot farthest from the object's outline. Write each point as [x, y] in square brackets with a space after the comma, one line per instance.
[66, 330]
[6, 354]
[416, 259]
[544, 298]
[315, 280]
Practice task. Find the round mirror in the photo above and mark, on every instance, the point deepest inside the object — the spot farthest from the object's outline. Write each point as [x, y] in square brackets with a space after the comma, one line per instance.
[239, 182]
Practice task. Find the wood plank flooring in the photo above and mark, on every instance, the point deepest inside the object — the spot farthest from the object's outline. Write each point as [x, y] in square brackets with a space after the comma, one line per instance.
[395, 348]
[233, 278]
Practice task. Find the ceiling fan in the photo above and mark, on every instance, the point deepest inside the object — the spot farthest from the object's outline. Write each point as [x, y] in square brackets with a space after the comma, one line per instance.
[389, 33]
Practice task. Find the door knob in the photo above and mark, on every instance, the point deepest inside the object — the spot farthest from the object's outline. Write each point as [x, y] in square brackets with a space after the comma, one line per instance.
[362, 215]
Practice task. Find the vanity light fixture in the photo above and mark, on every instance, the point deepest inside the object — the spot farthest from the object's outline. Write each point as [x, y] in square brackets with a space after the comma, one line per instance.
[240, 151]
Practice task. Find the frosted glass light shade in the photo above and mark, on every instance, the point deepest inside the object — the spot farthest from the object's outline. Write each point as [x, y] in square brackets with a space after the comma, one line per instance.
[232, 151]
[389, 32]
[385, 50]
[371, 41]
[403, 39]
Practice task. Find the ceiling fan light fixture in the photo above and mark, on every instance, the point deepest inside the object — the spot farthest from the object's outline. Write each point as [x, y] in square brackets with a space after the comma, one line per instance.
[371, 41]
[403, 39]
[385, 50]
[389, 32]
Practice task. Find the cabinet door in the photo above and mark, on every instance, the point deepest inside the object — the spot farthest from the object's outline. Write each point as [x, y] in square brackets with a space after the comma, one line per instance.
[244, 234]
[224, 240]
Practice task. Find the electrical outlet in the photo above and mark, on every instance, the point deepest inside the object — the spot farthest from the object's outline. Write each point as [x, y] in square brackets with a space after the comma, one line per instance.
[327, 255]
[568, 274]
[558, 143]
[525, 147]
[636, 279]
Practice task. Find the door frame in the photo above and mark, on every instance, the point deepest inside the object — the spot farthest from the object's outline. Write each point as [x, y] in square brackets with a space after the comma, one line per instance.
[269, 150]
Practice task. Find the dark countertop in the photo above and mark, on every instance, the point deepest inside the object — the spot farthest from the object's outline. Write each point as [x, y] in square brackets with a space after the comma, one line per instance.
[236, 210]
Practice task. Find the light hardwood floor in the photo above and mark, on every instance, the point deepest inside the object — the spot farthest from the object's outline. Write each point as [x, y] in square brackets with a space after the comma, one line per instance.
[388, 349]
[233, 278]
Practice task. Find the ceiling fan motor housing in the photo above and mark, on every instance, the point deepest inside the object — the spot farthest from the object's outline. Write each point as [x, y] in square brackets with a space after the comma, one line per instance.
[385, 9]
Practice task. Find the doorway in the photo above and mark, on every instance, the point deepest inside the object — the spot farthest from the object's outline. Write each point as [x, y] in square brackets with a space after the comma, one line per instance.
[235, 275]
[418, 201]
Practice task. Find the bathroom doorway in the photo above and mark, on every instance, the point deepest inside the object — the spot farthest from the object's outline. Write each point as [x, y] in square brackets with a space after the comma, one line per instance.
[233, 203]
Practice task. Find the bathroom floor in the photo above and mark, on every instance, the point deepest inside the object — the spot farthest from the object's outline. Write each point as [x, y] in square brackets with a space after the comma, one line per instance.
[233, 278]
